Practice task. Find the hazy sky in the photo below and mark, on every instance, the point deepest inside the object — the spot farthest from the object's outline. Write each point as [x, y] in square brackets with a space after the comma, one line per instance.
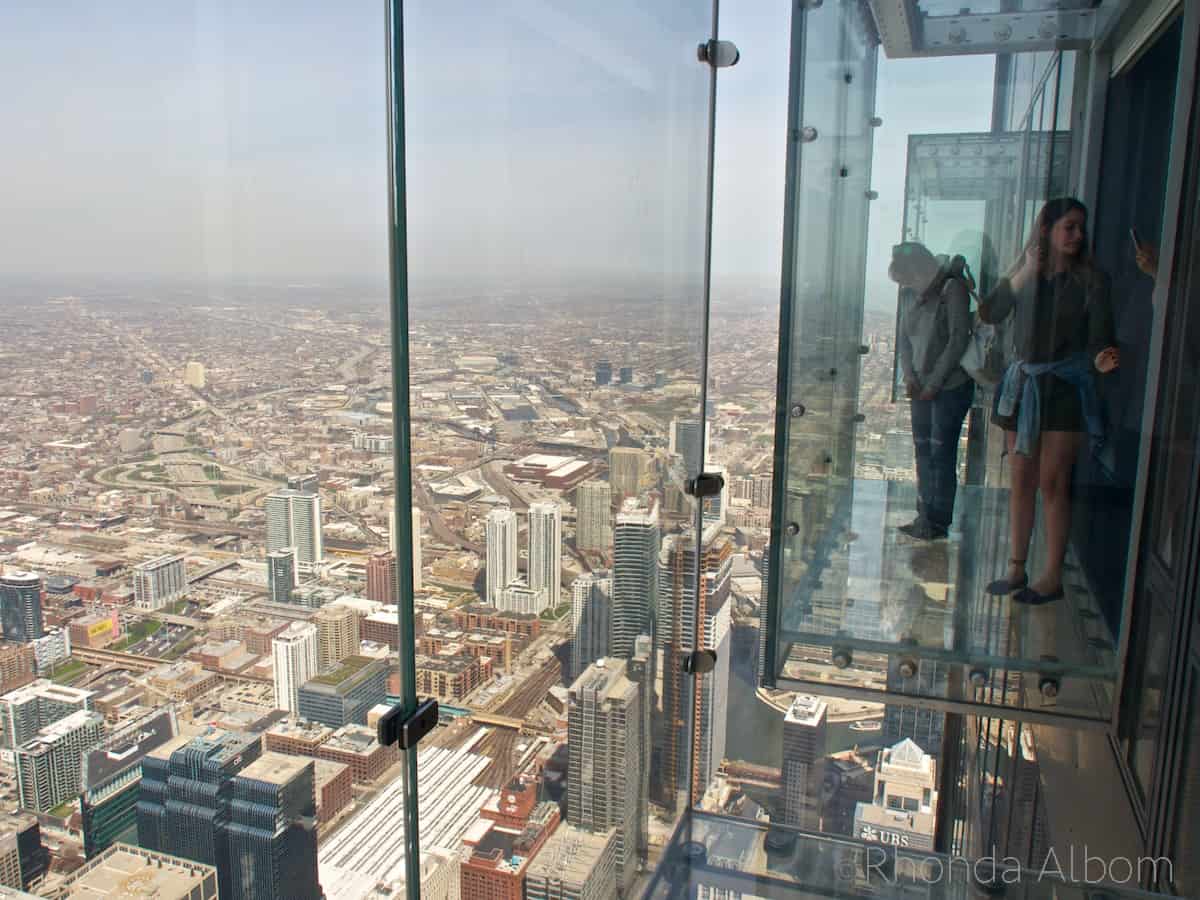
[248, 138]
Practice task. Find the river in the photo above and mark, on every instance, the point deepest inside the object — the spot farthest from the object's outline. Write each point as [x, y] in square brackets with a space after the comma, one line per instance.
[754, 729]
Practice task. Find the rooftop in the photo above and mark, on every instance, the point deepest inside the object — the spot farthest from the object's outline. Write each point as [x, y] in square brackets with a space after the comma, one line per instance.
[215, 743]
[353, 738]
[571, 853]
[24, 579]
[124, 871]
[163, 560]
[369, 848]
[275, 768]
[349, 667]
[126, 747]
[48, 690]
[183, 670]
[301, 730]
[806, 710]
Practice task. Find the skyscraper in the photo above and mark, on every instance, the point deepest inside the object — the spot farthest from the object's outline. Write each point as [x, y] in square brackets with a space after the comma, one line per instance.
[48, 765]
[574, 865]
[159, 582]
[904, 810]
[591, 619]
[690, 617]
[603, 372]
[183, 801]
[337, 635]
[639, 669]
[381, 578]
[686, 440]
[803, 767]
[603, 737]
[545, 550]
[272, 829]
[636, 540]
[627, 467]
[282, 576]
[112, 772]
[294, 520]
[593, 513]
[23, 858]
[21, 606]
[27, 710]
[346, 694]
[764, 569]
[294, 653]
[716, 507]
[501, 551]
[258, 832]
[924, 726]
[416, 542]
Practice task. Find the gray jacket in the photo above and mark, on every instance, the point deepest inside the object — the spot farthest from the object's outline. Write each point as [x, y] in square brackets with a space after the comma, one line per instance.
[934, 332]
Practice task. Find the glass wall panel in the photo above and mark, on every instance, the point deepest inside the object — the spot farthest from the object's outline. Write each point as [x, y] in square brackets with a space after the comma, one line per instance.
[557, 161]
[196, 469]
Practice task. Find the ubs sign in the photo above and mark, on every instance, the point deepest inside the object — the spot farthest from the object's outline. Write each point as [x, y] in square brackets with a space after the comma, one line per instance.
[883, 836]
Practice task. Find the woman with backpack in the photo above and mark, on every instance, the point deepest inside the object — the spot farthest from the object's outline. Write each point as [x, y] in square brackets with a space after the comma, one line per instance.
[935, 327]
[1062, 334]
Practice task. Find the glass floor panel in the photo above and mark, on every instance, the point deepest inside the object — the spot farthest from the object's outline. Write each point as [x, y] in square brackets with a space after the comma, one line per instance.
[865, 606]
[715, 856]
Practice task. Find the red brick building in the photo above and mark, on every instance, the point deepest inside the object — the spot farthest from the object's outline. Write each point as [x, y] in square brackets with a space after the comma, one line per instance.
[354, 746]
[381, 578]
[334, 786]
[507, 835]
[477, 616]
[16, 666]
[451, 677]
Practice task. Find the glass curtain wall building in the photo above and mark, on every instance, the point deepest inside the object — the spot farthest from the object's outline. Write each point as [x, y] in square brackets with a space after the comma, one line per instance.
[769, 432]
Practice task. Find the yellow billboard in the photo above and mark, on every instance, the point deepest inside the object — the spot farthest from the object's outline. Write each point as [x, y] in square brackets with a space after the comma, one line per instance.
[99, 628]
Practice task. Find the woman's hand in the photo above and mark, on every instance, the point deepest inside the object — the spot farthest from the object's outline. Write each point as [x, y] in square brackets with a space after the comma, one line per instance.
[1107, 360]
[1147, 259]
[1031, 266]
[911, 388]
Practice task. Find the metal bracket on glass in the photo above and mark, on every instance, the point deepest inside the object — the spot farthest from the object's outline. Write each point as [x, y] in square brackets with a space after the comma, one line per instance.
[706, 484]
[407, 731]
[700, 662]
[718, 54]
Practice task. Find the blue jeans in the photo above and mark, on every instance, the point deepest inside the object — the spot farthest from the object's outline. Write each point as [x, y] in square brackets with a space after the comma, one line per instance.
[936, 426]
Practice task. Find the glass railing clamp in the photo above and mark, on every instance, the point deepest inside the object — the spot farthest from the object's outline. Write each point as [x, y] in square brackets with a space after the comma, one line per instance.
[700, 662]
[706, 484]
[718, 54]
[395, 728]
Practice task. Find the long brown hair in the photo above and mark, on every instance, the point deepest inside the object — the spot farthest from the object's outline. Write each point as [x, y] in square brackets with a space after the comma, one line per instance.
[1081, 267]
